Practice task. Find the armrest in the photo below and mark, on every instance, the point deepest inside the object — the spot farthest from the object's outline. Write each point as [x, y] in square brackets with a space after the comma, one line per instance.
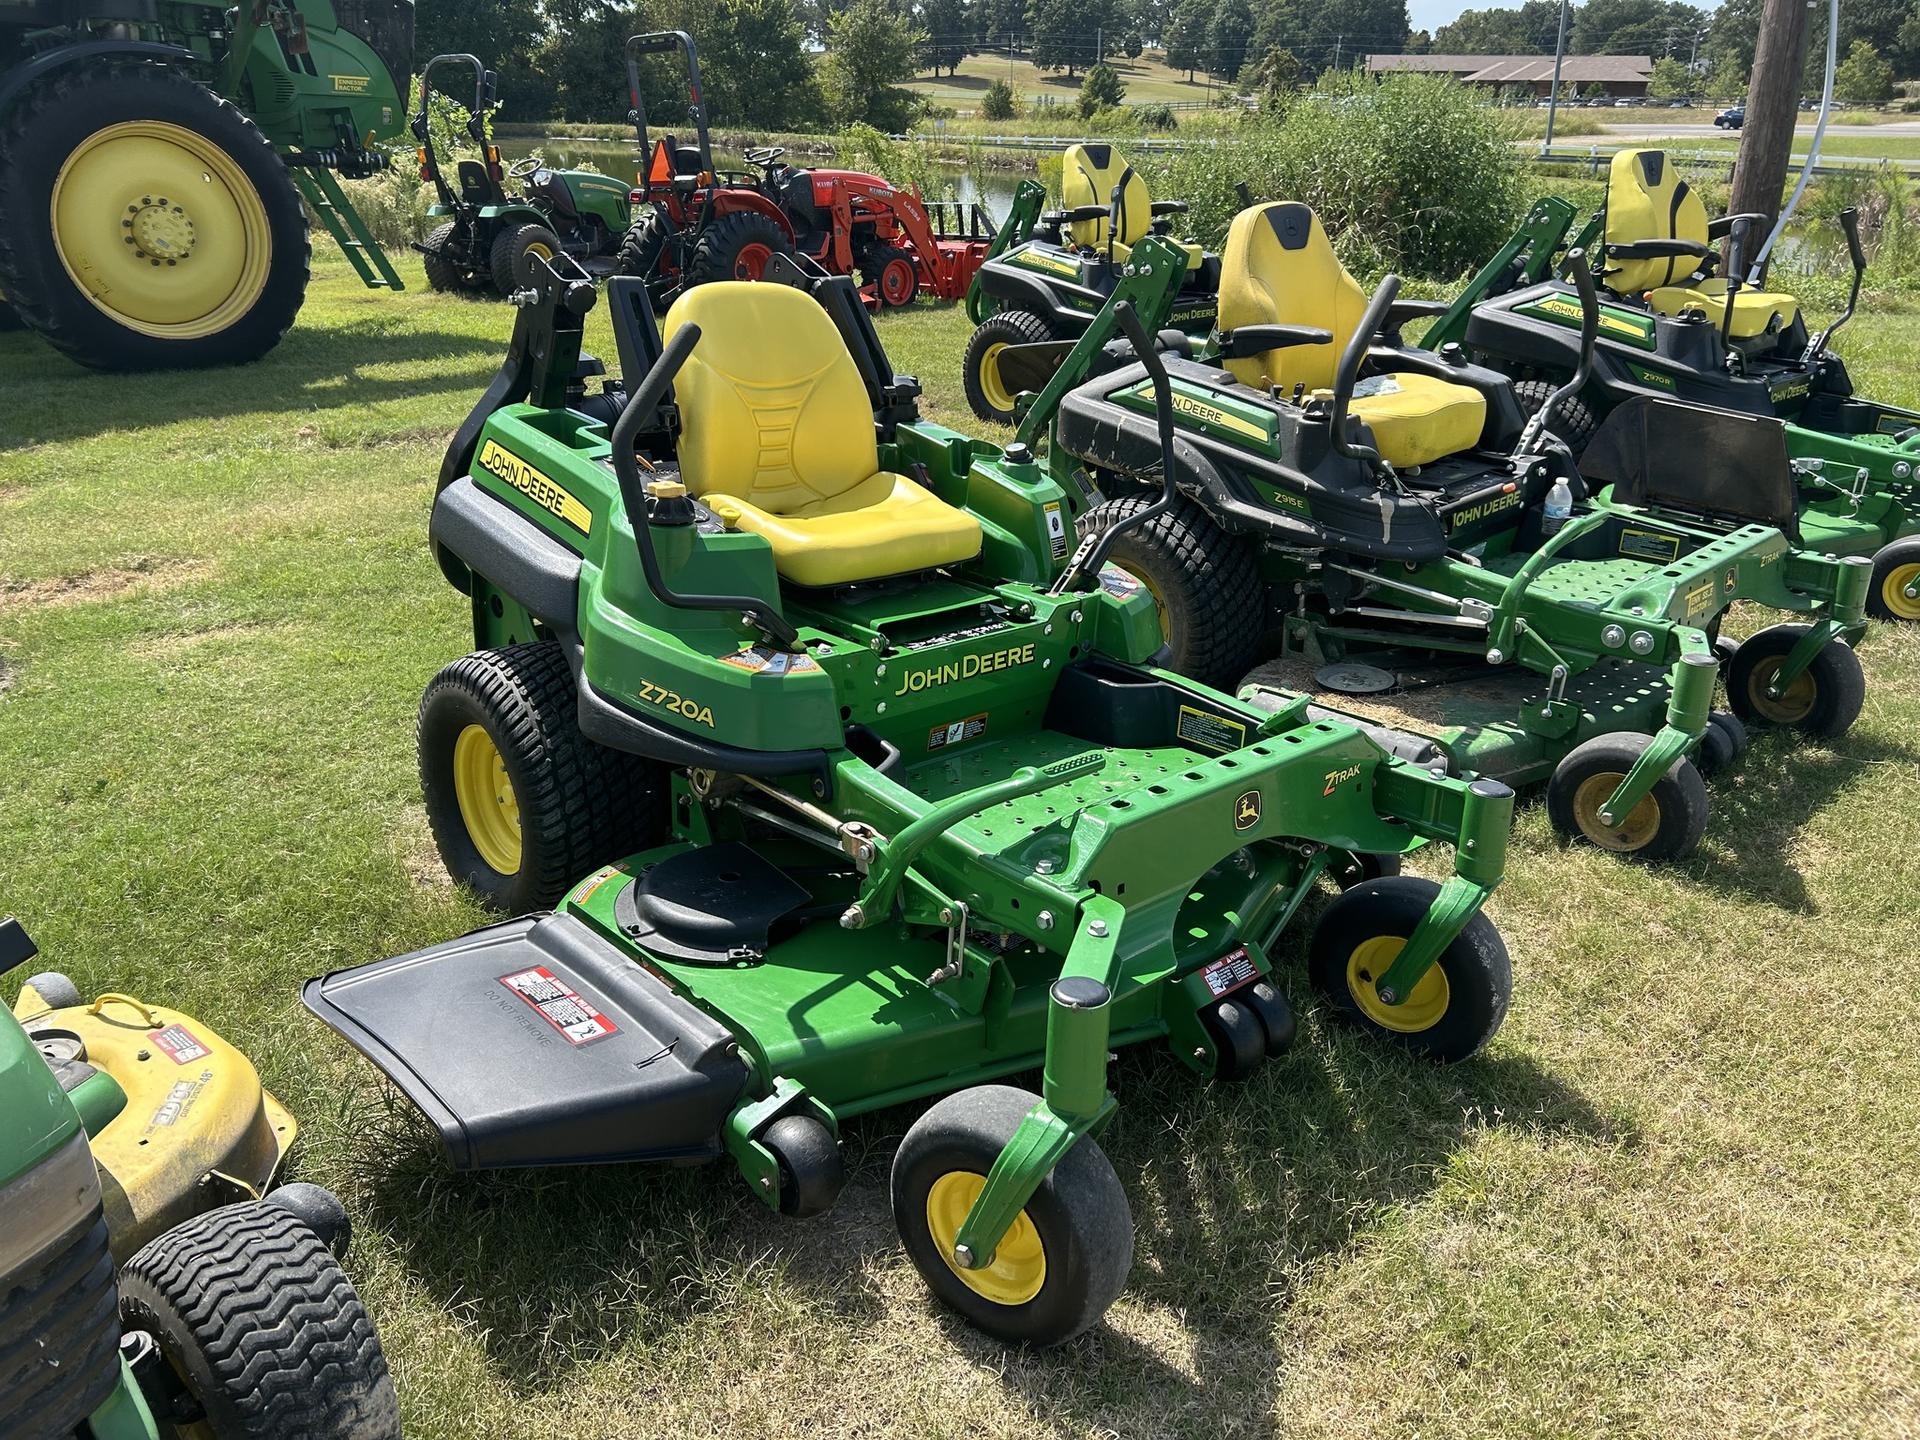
[1168, 207]
[1402, 311]
[1659, 250]
[1074, 216]
[1258, 339]
[1721, 226]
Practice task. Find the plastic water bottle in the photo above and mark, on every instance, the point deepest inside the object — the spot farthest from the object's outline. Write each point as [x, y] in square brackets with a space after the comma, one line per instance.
[1559, 508]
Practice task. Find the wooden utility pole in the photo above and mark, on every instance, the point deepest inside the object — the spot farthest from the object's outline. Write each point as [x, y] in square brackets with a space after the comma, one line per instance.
[1773, 98]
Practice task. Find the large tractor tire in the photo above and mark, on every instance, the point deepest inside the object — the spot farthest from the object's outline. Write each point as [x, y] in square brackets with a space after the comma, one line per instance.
[149, 224]
[737, 247]
[9, 318]
[514, 251]
[447, 262]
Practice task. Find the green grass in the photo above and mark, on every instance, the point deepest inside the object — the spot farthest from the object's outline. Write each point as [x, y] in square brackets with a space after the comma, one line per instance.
[1676, 1198]
[1145, 78]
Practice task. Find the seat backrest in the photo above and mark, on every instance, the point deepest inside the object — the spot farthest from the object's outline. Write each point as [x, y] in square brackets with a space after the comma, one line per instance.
[1278, 268]
[1647, 200]
[1088, 174]
[772, 407]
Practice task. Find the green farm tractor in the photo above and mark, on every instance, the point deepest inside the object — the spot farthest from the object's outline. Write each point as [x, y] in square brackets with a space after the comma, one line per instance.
[487, 234]
[158, 159]
[825, 774]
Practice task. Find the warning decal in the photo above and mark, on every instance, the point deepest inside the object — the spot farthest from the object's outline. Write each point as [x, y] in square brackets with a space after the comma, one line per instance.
[959, 731]
[1056, 529]
[1231, 971]
[563, 1007]
[1210, 732]
[180, 1044]
[1650, 545]
[765, 660]
[1116, 581]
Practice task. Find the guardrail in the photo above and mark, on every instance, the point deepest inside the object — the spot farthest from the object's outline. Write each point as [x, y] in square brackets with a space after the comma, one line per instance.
[1595, 159]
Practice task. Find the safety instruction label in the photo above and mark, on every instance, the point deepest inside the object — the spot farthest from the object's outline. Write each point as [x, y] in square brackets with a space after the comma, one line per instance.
[765, 660]
[1648, 545]
[179, 1044]
[563, 1006]
[1116, 581]
[1056, 529]
[1210, 732]
[594, 881]
[958, 732]
[1231, 971]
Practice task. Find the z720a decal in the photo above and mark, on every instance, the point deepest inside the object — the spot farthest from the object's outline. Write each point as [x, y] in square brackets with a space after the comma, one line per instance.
[652, 694]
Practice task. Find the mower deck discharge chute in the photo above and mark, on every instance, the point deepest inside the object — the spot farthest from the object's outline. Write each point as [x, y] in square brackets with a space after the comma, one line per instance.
[850, 784]
[1382, 512]
[1048, 273]
[1674, 329]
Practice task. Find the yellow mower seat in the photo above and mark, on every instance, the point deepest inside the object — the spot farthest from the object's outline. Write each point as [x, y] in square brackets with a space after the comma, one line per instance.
[1279, 268]
[777, 438]
[1754, 311]
[1088, 174]
[1647, 200]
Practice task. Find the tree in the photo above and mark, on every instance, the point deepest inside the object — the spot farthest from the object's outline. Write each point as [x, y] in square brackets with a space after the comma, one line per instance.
[1277, 75]
[1228, 35]
[1062, 34]
[1530, 30]
[1000, 23]
[1863, 78]
[870, 47]
[754, 64]
[1101, 90]
[1670, 79]
[1906, 46]
[583, 59]
[1187, 35]
[949, 40]
[1636, 27]
[999, 102]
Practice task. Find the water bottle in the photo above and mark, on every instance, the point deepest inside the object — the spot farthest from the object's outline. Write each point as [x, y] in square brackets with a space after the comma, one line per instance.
[1559, 507]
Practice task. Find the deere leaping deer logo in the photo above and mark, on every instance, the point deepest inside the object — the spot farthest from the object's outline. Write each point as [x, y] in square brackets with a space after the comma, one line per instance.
[1246, 811]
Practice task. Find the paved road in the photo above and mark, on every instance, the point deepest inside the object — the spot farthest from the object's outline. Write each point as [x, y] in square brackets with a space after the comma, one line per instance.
[1645, 129]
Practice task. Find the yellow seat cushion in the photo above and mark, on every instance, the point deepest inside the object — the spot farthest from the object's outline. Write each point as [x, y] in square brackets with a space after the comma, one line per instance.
[1417, 419]
[1647, 200]
[1088, 175]
[776, 426]
[1278, 268]
[1754, 311]
[886, 525]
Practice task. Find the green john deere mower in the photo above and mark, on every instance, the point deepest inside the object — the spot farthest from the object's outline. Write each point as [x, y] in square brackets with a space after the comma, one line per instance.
[849, 785]
[1389, 523]
[1672, 328]
[153, 1283]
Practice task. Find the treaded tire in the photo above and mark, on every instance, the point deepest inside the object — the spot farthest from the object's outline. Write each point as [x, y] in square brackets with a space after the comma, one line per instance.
[60, 114]
[1206, 582]
[580, 804]
[1479, 975]
[443, 272]
[1575, 421]
[642, 245]
[894, 292]
[1678, 817]
[1009, 327]
[255, 1313]
[508, 262]
[1079, 1212]
[717, 255]
[1839, 684]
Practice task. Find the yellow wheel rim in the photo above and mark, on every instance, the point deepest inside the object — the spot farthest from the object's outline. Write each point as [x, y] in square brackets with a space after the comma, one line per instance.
[1153, 592]
[488, 806]
[1633, 833]
[1795, 702]
[1419, 1011]
[540, 250]
[992, 387]
[1893, 592]
[161, 230]
[1019, 1267]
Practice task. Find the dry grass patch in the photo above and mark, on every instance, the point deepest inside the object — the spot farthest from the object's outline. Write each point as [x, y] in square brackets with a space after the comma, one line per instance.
[144, 574]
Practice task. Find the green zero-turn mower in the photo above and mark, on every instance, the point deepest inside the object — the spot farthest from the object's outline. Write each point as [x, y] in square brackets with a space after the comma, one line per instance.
[1049, 272]
[488, 234]
[151, 1283]
[1380, 511]
[1671, 328]
[850, 786]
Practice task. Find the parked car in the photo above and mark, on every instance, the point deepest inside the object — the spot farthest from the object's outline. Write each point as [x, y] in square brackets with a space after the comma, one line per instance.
[1731, 118]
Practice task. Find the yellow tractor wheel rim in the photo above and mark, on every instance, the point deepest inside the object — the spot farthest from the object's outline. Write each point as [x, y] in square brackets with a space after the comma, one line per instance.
[540, 250]
[1153, 593]
[992, 387]
[488, 806]
[1421, 1010]
[1019, 1266]
[1634, 832]
[1893, 592]
[1795, 702]
[161, 230]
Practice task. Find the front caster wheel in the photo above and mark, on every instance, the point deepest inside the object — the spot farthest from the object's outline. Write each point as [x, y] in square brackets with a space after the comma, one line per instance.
[1452, 1011]
[1066, 1257]
[811, 1171]
[1668, 824]
[1823, 700]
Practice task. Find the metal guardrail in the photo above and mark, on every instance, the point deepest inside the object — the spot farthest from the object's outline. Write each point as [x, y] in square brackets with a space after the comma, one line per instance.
[1595, 158]
[1045, 142]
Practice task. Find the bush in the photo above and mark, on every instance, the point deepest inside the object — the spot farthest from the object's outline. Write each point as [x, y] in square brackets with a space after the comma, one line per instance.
[1156, 117]
[1411, 172]
[999, 102]
[1100, 90]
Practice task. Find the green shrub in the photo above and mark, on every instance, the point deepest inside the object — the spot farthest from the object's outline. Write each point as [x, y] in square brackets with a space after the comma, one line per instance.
[1100, 90]
[1156, 117]
[999, 102]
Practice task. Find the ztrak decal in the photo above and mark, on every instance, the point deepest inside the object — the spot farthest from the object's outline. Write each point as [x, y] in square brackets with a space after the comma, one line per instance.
[560, 1005]
[1472, 513]
[1209, 732]
[1336, 777]
[1618, 324]
[652, 694]
[539, 487]
[1246, 810]
[912, 682]
[1654, 378]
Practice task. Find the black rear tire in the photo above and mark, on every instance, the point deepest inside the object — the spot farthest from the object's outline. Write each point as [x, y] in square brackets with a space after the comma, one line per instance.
[254, 1313]
[63, 115]
[442, 259]
[9, 318]
[513, 249]
[578, 804]
[1205, 583]
[1823, 701]
[737, 247]
[1574, 422]
[987, 397]
[893, 274]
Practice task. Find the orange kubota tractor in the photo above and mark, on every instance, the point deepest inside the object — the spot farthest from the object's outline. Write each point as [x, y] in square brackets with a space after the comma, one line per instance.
[694, 223]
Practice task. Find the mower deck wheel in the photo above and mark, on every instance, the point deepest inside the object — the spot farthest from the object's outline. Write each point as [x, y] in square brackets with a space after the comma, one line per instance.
[1824, 699]
[987, 394]
[1064, 1260]
[1453, 1010]
[1239, 1039]
[1270, 1007]
[1715, 752]
[1729, 723]
[1204, 582]
[514, 249]
[1666, 825]
[811, 1171]
[893, 274]
[1895, 567]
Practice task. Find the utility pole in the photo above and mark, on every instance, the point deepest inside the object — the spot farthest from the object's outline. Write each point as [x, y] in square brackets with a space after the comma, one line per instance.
[1559, 58]
[1766, 137]
[1099, 43]
[1338, 41]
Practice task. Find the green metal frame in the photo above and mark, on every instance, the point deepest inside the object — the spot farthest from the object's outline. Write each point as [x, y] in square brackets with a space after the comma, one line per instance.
[1029, 200]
